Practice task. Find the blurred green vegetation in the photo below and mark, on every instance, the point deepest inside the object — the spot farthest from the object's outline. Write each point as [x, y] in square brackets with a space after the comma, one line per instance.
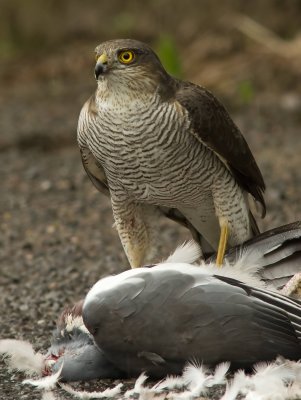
[168, 53]
[246, 92]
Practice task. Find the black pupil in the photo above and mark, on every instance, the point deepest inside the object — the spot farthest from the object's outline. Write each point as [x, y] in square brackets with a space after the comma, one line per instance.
[126, 56]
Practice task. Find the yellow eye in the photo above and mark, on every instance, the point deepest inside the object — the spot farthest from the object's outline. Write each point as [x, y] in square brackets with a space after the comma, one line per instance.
[126, 57]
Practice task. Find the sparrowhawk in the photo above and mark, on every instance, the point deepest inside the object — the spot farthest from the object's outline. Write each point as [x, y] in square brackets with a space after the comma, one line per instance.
[156, 144]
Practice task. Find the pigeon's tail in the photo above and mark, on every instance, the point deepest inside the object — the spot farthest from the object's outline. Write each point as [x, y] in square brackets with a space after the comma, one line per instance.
[276, 253]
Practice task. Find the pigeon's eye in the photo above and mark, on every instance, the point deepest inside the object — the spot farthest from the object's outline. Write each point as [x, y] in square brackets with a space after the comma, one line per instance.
[126, 57]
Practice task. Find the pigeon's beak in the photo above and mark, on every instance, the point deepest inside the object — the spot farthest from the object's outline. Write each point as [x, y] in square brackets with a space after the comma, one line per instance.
[101, 65]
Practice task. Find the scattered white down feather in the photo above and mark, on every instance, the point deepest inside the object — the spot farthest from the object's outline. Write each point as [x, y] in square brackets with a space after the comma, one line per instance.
[269, 376]
[195, 380]
[219, 376]
[199, 379]
[270, 381]
[294, 391]
[188, 252]
[21, 356]
[49, 395]
[138, 387]
[235, 386]
[244, 269]
[280, 379]
[169, 383]
[46, 383]
[195, 377]
[107, 393]
[295, 366]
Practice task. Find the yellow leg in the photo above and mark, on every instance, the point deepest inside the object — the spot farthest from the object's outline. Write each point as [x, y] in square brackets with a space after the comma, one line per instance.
[222, 244]
[132, 229]
[134, 254]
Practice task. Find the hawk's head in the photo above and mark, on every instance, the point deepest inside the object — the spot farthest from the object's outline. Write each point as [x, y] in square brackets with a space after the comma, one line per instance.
[130, 63]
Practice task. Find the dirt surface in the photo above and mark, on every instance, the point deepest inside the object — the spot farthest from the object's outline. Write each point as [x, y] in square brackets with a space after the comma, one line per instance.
[57, 237]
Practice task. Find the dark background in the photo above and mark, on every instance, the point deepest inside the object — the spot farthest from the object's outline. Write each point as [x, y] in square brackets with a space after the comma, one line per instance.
[57, 237]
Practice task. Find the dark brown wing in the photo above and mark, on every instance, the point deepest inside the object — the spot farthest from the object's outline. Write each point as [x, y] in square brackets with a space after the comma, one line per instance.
[94, 171]
[213, 125]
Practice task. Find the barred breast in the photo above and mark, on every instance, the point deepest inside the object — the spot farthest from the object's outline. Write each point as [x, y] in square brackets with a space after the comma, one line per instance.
[146, 151]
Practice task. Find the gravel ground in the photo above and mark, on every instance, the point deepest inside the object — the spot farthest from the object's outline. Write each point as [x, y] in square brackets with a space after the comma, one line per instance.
[56, 230]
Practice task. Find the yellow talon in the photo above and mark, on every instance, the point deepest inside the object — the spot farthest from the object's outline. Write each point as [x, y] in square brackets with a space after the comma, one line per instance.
[222, 244]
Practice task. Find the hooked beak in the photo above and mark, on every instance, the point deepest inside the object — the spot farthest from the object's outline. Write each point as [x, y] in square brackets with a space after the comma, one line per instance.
[101, 65]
